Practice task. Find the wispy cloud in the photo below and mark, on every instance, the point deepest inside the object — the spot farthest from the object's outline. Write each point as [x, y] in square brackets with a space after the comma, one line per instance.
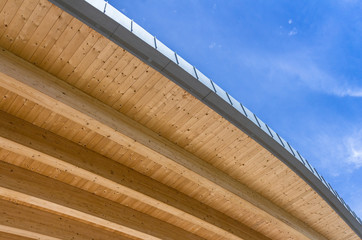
[293, 32]
[338, 156]
[351, 92]
[301, 67]
[353, 146]
[338, 153]
[318, 79]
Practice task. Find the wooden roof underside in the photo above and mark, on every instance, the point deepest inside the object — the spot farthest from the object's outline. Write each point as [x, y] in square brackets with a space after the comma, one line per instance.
[94, 143]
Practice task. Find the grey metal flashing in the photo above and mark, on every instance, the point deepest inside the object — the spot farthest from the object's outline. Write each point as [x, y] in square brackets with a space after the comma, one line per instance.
[120, 29]
[241, 105]
[271, 134]
[291, 149]
[257, 121]
[301, 158]
[281, 141]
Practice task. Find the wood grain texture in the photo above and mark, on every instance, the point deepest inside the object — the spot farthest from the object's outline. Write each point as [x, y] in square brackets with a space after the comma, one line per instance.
[24, 222]
[31, 189]
[208, 175]
[39, 145]
[84, 110]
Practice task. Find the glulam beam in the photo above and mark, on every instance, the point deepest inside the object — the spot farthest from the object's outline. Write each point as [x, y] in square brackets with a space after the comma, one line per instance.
[38, 144]
[24, 223]
[40, 87]
[27, 188]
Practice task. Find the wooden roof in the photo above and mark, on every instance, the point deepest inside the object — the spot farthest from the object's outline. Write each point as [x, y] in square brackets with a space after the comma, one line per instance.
[97, 144]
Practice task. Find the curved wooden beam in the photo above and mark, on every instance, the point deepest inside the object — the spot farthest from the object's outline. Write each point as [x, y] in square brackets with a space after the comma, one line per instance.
[28, 140]
[7, 232]
[24, 223]
[40, 87]
[27, 188]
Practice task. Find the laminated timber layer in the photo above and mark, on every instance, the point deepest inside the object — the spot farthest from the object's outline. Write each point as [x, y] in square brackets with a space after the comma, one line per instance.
[96, 144]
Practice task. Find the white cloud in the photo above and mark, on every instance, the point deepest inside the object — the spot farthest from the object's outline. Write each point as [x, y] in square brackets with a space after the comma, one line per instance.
[212, 45]
[342, 92]
[338, 153]
[341, 158]
[353, 146]
[293, 32]
[290, 21]
[302, 67]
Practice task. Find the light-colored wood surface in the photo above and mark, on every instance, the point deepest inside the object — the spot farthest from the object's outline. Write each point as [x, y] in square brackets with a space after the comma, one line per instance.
[24, 188]
[42, 146]
[118, 131]
[26, 222]
[9, 236]
[80, 108]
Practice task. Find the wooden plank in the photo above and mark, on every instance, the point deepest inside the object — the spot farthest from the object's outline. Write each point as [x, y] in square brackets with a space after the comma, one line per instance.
[8, 101]
[9, 236]
[47, 23]
[163, 108]
[79, 54]
[30, 26]
[51, 38]
[134, 102]
[92, 62]
[19, 136]
[238, 152]
[108, 63]
[74, 31]
[2, 4]
[29, 223]
[31, 189]
[112, 84]
[197, 118]
[11, 29]
[8, 12]
[21, 233]
[176, 111]
[82, 41]
[138, 82]
[16, 105]
[221, 141]
[156, 104]
[115, 91]
[142, 110]
[114, 67]
[20, 77]
[28, 106]
[203, 149]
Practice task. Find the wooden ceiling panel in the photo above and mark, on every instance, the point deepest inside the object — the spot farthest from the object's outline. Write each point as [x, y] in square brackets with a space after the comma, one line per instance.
[45, 164]
[63, 200]
[62, 112]
[13, 16]
[31, 24]
[213, 181]
[22, 222]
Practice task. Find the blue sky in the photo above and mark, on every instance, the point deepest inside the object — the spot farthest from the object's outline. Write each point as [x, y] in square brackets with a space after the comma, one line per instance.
[295, 64]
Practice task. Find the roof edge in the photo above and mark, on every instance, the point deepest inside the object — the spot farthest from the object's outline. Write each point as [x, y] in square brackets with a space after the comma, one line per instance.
[123, 31]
